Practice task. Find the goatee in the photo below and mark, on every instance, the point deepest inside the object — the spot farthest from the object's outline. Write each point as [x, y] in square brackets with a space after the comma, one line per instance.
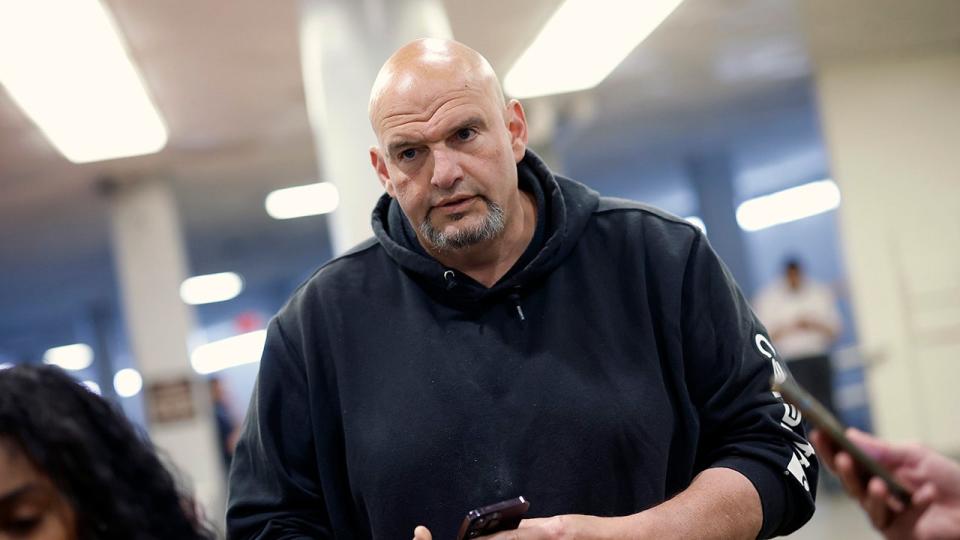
[491, 227]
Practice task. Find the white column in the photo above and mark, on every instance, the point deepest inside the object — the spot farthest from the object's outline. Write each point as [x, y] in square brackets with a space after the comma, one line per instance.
[151, 264]
[343, 43]
[892, 126]
[712, 176]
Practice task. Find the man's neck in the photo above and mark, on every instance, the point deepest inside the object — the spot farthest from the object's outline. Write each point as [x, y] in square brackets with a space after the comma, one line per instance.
[489, 261]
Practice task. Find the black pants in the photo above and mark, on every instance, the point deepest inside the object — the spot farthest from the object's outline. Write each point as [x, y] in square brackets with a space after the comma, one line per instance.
[816, 375]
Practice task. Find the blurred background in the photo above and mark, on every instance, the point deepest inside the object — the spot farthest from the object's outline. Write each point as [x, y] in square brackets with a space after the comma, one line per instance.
[821, 130]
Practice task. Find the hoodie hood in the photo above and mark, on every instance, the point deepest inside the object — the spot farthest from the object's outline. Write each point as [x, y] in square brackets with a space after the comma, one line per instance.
[566, 207]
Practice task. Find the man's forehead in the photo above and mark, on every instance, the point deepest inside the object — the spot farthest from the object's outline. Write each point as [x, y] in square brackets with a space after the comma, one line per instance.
[413, 86]
[429, 106]
[401, 129]
[427, 96]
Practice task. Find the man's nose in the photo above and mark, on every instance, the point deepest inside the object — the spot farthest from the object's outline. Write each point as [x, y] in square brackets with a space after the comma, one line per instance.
[446, 169]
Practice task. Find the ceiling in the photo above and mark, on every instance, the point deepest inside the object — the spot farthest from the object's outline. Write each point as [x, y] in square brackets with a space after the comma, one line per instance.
[718, 75]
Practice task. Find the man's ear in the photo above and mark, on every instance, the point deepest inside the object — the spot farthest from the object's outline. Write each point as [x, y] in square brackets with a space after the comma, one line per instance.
[517, 125]
[380, 165]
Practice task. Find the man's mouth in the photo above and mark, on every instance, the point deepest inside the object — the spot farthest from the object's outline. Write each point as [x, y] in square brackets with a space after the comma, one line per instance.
[455, 204]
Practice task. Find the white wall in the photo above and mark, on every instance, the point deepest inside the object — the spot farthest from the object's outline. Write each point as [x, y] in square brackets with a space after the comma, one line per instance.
[892, 128]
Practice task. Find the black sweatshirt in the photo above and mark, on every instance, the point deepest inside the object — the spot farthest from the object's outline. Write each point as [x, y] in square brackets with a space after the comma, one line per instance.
[616, 361]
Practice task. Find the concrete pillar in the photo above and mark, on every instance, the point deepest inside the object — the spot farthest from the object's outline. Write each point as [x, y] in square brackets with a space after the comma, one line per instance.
[891, 123]
[104, 365]
[151, 264]
[343, 43]
[712, 176]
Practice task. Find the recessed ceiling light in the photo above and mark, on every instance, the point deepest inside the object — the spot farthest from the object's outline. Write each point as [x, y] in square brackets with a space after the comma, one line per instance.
[300, 201]
[64, 63]
[210, 288]
[92, 386]
[582, 43]
[229, 352]
[697, 222]
[788, 205]
[70, 357]
[127, 382]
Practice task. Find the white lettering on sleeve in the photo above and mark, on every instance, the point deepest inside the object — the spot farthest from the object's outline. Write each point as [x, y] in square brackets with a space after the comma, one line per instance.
[795, 468]
[765, 347]
[791, 416]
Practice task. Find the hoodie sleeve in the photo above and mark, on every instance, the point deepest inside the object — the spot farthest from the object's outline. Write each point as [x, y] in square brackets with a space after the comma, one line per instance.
[729, 362]
[274, 489]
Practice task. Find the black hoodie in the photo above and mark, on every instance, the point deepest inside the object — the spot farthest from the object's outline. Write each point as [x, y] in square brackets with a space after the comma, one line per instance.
[613, 363]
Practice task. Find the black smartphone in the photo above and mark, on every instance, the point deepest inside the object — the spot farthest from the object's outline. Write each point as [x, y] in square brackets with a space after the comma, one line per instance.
[502, 516]
[820, 416]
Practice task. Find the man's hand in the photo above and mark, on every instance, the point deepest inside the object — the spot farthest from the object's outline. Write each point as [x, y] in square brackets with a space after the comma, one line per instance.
[567, 527]
[719, 504]
[935, 481]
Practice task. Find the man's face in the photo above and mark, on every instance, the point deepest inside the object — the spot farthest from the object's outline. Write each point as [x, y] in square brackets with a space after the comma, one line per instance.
[794, 277]
[448, 153]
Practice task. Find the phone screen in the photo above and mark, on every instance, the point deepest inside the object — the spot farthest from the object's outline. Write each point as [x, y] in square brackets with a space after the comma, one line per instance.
[821, 417]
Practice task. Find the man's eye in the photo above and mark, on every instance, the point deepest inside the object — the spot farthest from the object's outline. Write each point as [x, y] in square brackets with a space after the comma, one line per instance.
[408, 154]
[465, 134]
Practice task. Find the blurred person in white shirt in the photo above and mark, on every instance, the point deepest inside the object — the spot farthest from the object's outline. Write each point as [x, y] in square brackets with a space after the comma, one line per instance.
[804, 323]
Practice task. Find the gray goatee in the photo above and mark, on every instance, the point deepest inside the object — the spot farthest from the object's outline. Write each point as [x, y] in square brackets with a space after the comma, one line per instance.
[491, 227]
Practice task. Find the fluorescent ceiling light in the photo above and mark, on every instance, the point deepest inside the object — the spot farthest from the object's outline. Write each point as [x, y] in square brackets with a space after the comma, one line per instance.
[127, 382]
[697, 222]
[582, 43]
[211, 288]
[788, 205]
[93, 387]
[299, 201]
[65, 64]
[229, 352]
[70, 357]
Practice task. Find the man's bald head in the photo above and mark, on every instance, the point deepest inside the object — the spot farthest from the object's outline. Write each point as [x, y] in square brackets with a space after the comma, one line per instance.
[423, 66]
[448, 148]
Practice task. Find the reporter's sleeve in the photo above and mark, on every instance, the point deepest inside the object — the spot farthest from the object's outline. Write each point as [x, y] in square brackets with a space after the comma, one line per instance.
[274, 487]
[728, 362]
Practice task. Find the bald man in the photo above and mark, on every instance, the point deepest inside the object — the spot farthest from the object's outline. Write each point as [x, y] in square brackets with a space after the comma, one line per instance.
[509, 332]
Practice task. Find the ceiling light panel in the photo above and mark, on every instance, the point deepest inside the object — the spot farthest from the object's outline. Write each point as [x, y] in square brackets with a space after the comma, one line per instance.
[230, 352]
[70, 357]
[300, 201]
[788, 205]
[127, 382]
[65, 64]
[211, 288]
[582, 43]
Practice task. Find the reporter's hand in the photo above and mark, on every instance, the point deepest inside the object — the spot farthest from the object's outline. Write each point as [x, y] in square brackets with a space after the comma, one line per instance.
[935, 481]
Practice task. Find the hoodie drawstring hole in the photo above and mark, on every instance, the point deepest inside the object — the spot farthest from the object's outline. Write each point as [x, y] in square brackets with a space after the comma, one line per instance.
[515, 296]
[450, 277]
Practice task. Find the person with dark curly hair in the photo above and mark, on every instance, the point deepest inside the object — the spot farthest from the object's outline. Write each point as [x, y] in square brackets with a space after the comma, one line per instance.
[73, 467]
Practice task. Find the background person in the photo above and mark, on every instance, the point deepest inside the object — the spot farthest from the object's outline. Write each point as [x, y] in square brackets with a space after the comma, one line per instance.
[804, 323]
[227, 430]
[73, 467]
